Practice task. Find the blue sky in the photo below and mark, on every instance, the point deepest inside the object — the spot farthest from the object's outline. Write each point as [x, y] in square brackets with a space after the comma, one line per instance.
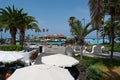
[52, 14]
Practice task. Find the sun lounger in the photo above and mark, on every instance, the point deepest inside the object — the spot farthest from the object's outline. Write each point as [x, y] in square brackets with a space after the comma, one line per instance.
[96, 49]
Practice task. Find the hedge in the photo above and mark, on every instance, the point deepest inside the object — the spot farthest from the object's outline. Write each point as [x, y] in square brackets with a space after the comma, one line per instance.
[11, 47]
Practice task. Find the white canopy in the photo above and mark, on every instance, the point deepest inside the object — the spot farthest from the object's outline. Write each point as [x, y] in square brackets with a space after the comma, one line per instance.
[33, 46]
[41, 72]
[6, 56]
[59, 60]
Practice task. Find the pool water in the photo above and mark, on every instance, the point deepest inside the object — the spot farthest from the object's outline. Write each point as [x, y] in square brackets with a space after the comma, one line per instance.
[94, 41]
[59, 43]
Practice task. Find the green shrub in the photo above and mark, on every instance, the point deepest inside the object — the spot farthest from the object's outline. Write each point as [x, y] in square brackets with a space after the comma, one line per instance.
[11, 48]
[116, 47]
[68, 40]
[94, 73]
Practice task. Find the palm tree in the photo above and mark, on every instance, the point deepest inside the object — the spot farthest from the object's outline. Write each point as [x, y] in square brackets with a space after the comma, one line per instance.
[8, 21]
[47, 30]
[43, 32]
[27, 22]
[79, 31]
[98, 8]
[28, 37]
[37, 30]
[106, 30]
[13, 19]
[96, 13]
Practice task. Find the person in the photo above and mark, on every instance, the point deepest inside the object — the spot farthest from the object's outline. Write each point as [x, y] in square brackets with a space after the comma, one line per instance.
[8, 74]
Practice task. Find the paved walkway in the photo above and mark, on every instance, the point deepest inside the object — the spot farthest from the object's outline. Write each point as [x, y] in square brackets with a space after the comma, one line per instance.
[61, 50]
[50, 51]
[55, 49]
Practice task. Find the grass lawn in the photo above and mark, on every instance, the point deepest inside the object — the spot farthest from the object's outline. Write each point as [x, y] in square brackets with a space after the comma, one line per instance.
[110, 73]
[111, 70]
[116, 47]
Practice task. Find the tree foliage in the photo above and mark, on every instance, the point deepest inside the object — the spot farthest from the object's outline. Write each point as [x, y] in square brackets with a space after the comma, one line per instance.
[78, 31]
[13, 19]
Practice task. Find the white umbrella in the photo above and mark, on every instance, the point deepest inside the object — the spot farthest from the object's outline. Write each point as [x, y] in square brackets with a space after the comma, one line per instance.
[41, 72]
[59, 60]
[6, 56]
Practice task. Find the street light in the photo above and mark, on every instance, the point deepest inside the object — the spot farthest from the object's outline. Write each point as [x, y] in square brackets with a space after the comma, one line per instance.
[83, 21]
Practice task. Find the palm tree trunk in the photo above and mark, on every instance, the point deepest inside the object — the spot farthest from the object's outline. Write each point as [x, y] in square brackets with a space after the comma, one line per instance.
[103, 39]
[82, 43]
[13, 41]
[13, 31]
[81, 52]
[109, 39]
[22, 36]
[97, 36]
[112, 33]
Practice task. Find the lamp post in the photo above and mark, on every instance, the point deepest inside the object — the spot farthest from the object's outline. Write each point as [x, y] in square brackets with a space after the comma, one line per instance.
[44, 30]
[83, 21]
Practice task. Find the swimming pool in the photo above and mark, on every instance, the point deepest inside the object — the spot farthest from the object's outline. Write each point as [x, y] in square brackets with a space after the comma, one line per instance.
[94, 41]
[59, 43]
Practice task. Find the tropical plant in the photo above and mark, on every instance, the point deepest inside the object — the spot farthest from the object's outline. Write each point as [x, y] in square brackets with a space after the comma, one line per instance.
[8, 21]
[47, 30]
[93, 73]
[117, 29]
[15, 19]
[98, 8]
[38, 31]
[43, 29]
[11, 48]
[96, 12]
[78, 30]
[28, 37]
[106, 30]
[27, 22]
